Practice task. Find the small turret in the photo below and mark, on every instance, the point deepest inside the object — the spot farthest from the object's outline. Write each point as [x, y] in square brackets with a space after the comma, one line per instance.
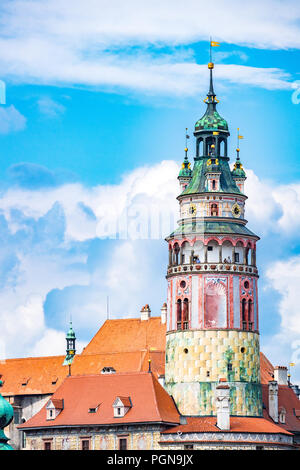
[71, 350]
[238, 173]
[185, 174]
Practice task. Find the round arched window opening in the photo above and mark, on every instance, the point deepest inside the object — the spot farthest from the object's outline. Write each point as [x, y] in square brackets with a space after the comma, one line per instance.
[246, 285]
[185, 350]
[183, 284]
[243, 350]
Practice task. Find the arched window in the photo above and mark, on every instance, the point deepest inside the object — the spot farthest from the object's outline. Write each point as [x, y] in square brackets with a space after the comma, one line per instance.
[213, 185]
[179, 314]
[222, 148]
[185, 315]
[176, 253]
[214, 210]
[250, 320]
[244, 319]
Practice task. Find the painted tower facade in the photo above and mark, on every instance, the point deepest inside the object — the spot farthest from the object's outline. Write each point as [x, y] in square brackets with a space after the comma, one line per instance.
[212, 307]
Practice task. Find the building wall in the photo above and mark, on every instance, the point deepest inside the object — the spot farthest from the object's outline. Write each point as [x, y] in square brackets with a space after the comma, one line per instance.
[138, 438]
[231, 441]
[26, 406]
[196, 360]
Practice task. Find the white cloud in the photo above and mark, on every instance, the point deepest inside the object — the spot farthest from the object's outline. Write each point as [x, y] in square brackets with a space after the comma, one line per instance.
[112, 45]
[49, 255]
[49, 107]
[284, 277]
[11, 120]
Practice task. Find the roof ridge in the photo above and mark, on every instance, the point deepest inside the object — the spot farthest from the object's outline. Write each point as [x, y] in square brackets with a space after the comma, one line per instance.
[30, 358]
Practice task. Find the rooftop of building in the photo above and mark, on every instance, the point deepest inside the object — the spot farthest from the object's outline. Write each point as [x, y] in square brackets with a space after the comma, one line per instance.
[287, 400]
[149, 401]
[237, 424]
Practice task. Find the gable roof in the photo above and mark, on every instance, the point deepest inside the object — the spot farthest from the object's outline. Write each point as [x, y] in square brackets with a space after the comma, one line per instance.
[150, 402]
[47, 373]
[127, 335]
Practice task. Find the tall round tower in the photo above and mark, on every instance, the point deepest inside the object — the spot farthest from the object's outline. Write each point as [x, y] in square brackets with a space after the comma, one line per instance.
[212, 315]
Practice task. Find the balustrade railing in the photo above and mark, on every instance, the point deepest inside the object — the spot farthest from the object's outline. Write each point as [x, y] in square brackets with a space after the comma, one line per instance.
[212, 266]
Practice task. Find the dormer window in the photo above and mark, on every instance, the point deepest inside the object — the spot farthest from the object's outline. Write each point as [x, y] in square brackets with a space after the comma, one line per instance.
[54, 408]
[121, 406]
[282, 414]
[25, 381]
[94, 408]
[108, 370]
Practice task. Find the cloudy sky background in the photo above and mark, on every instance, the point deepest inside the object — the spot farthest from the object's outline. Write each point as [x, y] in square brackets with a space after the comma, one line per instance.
[98, 96]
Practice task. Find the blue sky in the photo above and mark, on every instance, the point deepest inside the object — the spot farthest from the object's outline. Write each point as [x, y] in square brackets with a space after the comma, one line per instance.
[98, 97]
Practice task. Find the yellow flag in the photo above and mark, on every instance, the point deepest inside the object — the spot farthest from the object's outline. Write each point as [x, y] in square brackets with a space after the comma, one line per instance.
[292, 364]
[241, 136]
[214, 43]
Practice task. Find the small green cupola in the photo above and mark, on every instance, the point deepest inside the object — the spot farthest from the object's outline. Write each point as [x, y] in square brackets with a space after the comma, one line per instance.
[238, 172]
[185, 173]
[6, 416]
[211, 129]
[71, 350]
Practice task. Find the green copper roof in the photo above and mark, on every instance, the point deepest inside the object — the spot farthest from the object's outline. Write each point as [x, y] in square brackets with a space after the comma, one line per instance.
[71, 333]
[6, 416]
[198, 181]
[208, 227]
[238, 170]
[211, 121]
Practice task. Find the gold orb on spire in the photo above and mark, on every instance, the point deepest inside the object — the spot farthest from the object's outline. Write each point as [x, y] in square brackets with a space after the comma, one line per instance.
[210, 65]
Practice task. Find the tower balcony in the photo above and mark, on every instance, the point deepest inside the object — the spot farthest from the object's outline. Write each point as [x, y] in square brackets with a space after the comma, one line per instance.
[212, 267]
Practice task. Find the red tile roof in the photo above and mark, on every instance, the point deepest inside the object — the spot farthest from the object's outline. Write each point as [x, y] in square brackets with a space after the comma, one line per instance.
[266, 369]
[47, 373]
[150, 402]
[125, 400]
[128, 334]
[288, 400]
[237, 424]
[58, 403]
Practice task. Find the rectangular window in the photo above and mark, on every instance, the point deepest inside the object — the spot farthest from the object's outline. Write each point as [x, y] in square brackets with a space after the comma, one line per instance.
[85, 444]
[47, 445]
[210, 248]
[122, 444]
[229, 367]
[236, 257]
[188, 446]
[17, 415]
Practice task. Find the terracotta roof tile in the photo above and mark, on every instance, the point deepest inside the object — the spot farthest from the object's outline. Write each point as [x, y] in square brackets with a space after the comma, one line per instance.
[126, 401]
[58, 403]
[237, 424]
[47, 373]
[288, 400]
[129, 334]
[150, 402]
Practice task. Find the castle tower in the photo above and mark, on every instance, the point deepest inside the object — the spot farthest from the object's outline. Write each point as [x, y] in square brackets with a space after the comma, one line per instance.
[212, 307]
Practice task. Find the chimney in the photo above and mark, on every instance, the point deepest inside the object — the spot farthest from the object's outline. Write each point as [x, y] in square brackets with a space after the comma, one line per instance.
[273, 400]
[163, 316]
[145, 313]
[280, 375]
[223, 405]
